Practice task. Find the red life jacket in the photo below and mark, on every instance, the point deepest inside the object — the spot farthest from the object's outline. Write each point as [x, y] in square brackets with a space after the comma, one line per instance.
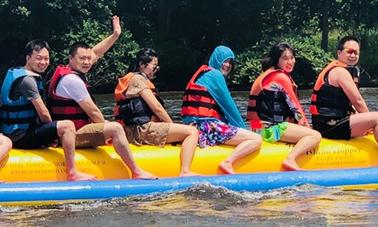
[63, 108]
[266, 105]
[132, 111]
[327, 100]
[197, 101]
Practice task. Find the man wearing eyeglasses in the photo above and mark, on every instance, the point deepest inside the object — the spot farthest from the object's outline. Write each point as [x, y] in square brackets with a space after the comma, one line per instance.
[337, 107]
[69, 98]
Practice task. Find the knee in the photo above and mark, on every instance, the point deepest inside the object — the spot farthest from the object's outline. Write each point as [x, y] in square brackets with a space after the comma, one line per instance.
[258, 140]
[192, 131]
[5, 142]
[255, 138]
[316, 135]
[114, 128]
[66, 125]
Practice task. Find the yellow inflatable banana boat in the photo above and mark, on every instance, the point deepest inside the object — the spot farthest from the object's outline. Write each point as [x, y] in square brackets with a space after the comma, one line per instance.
[104, 162]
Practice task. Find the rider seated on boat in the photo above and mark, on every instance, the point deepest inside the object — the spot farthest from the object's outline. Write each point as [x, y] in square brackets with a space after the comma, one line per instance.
[140, 109]
[274, 110]
[208, 105]
[24, 116]
[337, 107]
[69, 98]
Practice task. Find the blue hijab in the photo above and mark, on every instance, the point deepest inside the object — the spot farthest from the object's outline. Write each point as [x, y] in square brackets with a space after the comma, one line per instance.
[215, 83]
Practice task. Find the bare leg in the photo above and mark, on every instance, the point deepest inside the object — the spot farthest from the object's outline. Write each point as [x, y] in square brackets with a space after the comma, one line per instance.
[115, 132]
[66, 132]
[361, 123]
[188, 135]
[5, 146]
[246, 142]
[305, 139]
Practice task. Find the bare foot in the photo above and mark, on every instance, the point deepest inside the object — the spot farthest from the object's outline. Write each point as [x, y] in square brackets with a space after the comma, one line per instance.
[79, 176]
[226, 168]
[144, 175]
[290, 165]
[189, 174]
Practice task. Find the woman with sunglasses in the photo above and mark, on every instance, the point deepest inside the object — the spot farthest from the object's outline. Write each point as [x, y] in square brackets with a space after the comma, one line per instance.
[208, 105]
[274, 110]
[337, 107]
[141, 111]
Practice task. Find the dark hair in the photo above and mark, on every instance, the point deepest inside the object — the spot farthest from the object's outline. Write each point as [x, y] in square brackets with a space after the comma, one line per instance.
[36, 45]
[232, 62]
[272, 58]
[77, 45]
[345, 39]
[144, 56]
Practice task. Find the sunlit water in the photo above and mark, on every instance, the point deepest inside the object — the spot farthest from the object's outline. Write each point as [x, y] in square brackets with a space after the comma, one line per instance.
[205, 205]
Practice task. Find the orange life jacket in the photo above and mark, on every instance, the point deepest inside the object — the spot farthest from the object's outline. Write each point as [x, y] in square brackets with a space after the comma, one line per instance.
[327, 100]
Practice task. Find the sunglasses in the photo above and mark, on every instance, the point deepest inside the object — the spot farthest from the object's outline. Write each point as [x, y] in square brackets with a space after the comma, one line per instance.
[351, 51]
[155, 67]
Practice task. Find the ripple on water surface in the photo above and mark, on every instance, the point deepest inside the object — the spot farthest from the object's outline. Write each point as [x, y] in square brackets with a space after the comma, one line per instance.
[212, 206]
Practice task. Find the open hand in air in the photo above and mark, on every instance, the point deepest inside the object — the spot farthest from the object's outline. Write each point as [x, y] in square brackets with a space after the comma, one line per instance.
[116, 26]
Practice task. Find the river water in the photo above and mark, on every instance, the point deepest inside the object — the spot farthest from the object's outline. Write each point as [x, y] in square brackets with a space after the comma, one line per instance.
[205, 205]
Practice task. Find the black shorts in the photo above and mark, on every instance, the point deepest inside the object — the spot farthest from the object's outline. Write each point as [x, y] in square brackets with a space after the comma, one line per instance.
[38, 137]
[332, 128]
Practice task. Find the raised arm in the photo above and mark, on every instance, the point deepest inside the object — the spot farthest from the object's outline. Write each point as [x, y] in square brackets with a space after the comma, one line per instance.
[100, 48]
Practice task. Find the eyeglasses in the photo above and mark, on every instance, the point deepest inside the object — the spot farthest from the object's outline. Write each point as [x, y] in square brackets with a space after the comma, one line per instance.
[351, 51]
[155, 67]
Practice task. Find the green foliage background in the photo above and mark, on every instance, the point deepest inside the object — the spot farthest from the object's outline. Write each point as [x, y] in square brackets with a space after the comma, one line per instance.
[310, 59]
[185, 32]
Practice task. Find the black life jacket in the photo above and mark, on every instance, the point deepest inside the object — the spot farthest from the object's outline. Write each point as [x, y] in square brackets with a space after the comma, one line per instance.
[132, 111]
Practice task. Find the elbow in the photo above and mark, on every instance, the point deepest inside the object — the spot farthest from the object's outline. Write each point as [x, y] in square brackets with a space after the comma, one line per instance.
[360, 105]
[45, 118]
[96, 117]
[116, 35]
[158, 110]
